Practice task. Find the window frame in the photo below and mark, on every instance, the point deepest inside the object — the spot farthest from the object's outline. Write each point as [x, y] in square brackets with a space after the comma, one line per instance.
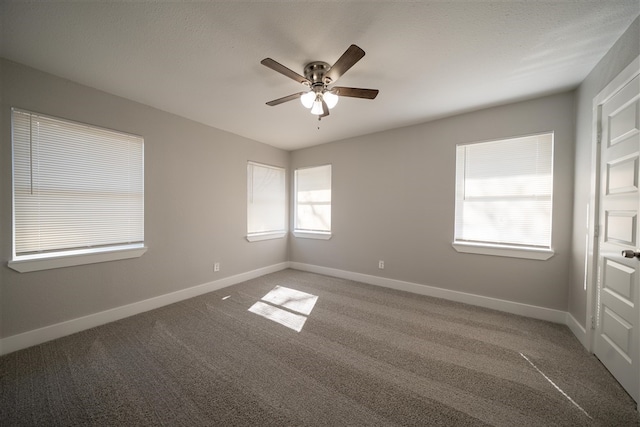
[308, 233]
[257, 236]
[67, 257]
[504, 249]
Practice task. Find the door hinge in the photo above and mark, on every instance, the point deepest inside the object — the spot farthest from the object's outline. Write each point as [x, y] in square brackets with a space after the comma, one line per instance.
[593, 322]
[596, 231]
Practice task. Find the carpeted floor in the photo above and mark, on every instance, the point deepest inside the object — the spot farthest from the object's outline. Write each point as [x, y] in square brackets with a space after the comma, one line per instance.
[365, 356]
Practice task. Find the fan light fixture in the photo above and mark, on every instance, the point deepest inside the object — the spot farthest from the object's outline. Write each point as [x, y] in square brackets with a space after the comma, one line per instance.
[313, 101]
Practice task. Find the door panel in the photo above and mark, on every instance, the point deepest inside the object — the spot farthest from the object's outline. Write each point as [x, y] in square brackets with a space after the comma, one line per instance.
[619, 278]
[620, 227]
[618, 332]
[622, 176]
[617, 341]
[623, 123]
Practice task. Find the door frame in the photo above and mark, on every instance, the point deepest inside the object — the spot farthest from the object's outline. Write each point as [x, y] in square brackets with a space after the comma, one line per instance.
[593, 208]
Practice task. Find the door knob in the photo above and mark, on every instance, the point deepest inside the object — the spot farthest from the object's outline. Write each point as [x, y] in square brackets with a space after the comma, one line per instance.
[630, 254]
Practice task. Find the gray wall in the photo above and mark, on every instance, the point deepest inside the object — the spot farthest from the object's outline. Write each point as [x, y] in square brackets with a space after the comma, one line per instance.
[626, 49]
[195, 206]
[393, 200]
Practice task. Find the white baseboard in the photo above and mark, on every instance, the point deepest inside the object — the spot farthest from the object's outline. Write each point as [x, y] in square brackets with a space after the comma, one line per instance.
[48, 333]
[578, 330]
[542, 313]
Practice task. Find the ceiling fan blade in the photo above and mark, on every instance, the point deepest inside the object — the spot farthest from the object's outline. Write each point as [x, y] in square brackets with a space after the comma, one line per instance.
[284, 99]
[325, 109]
[276, 66]
[355, 92]
[352, 55]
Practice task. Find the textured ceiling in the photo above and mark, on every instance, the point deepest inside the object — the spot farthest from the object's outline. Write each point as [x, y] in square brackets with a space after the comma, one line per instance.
[429, 59]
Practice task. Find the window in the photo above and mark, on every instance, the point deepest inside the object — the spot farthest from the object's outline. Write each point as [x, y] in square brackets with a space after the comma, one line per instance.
[78, 193]
[503, 197]
[266, 202]
[313, 202]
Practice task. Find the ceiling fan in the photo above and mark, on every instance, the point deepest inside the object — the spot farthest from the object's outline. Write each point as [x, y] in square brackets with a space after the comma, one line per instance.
[318, 76]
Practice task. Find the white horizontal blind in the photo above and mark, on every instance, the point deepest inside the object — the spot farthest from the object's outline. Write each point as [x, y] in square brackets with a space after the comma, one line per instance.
[313, 199]
[266, 199]
[504, 190]
[74, 186]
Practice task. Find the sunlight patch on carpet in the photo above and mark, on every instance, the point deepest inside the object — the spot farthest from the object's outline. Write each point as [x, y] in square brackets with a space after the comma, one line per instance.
[298, 301]
[278, 305]
[278, 315]
[556, 387]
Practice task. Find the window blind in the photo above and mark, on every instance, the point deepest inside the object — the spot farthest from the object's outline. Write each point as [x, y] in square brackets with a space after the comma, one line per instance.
[266, 199]
[74, 186]
[313, 199]
[504, 191]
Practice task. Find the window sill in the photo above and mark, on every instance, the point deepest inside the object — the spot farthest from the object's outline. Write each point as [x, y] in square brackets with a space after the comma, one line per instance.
[320, 235]
[30, 263]
[503, 250]
[257, 237]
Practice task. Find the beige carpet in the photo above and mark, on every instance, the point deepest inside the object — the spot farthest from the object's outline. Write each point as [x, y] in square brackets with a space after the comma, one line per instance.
[364, 356]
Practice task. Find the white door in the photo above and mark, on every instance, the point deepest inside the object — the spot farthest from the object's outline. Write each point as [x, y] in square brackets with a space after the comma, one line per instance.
[617, 336]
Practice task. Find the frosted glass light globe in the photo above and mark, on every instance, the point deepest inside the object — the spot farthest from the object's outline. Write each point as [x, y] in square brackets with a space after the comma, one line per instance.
[317, 107]
[307, 99]
[331, 99]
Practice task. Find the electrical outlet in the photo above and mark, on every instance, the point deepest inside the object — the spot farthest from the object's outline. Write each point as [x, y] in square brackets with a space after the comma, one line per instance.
[381, 265]
[216, 266]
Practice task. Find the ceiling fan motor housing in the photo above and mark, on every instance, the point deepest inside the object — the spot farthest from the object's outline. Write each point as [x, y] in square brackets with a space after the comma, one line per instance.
[314, 72]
